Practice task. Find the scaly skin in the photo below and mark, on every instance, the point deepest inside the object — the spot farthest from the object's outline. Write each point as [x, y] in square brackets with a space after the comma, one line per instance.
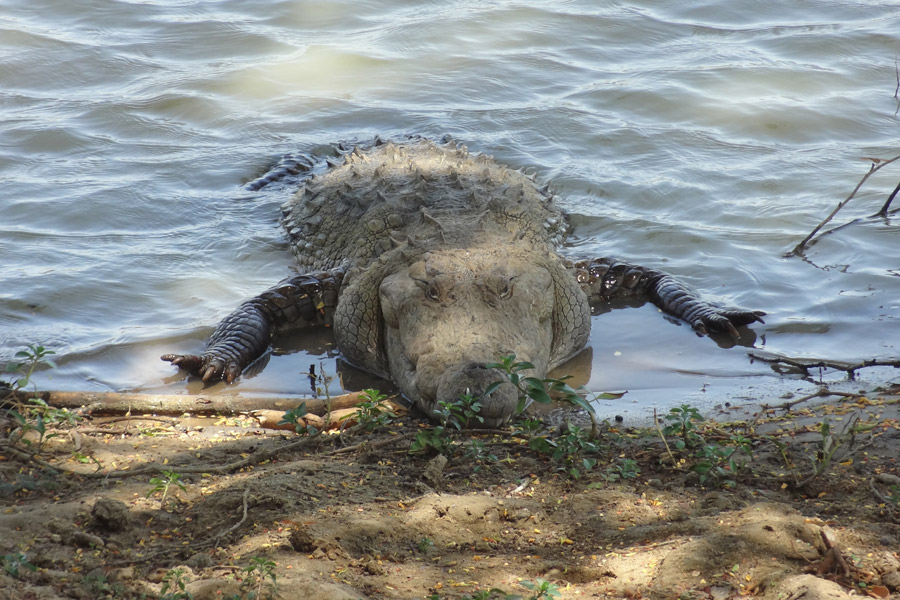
[430, 263]
[604, 279]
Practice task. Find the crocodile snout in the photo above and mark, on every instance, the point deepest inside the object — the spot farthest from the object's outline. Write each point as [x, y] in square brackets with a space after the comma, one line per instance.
[474, 378]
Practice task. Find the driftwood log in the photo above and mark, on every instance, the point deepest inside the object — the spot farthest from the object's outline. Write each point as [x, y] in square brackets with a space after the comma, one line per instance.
[100, 403]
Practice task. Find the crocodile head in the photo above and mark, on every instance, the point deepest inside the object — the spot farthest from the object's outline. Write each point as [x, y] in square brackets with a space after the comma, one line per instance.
[446, 315]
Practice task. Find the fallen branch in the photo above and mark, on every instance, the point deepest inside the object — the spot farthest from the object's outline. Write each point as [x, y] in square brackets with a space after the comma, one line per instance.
[805, 364]
[368, 445]
[100, 403]
[877, 164]
[822, 392]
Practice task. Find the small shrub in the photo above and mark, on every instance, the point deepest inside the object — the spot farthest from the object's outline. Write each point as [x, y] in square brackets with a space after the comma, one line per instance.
[13, 563]
[542, 589]
[295, 417]
[258, 580]
[452, 416]
[372, 413]
[682, 422]
[173, 585]
[34, 414]
[163, 483]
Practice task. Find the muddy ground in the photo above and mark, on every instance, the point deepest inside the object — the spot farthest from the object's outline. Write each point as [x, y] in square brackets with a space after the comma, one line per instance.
[354, 515]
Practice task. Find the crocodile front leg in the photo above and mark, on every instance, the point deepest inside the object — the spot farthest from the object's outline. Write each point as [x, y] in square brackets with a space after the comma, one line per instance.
[244, 335]
[604, 279]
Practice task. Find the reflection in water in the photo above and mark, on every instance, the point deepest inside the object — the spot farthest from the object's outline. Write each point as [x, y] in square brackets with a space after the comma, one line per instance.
[706, 141]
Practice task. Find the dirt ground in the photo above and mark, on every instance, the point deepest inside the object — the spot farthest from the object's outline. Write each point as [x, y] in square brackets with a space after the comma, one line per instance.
[354, 515]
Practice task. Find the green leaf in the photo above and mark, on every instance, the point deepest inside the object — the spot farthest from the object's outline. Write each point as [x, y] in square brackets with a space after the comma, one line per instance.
[492, 388]
[537, 393]
[521, 404]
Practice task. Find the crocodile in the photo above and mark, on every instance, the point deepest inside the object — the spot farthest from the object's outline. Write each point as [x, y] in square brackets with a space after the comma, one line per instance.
[429, 263]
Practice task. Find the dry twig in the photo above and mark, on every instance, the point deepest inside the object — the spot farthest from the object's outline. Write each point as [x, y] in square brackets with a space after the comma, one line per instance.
[663, 438]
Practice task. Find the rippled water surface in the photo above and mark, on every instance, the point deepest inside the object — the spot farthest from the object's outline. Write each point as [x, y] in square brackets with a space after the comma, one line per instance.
[704, 138]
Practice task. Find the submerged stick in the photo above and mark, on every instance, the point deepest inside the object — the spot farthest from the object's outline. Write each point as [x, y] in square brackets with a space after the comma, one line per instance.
[884, 209]
[876, 165]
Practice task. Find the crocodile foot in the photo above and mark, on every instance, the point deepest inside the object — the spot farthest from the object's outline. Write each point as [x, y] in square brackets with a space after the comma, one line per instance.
[207, 366]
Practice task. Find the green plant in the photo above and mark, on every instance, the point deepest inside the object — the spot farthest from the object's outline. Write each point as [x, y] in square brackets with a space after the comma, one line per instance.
[894, 497]
[425, 545]
[543, 391]
[625, 468]
[435, 438]
[682, 422]
[33, 357]
[295, 417]
[569, 448]
[716, 461]
[257, 577]
[163, 483]
[173, 585]
[834, 442]
[373, 413]
[12, 563]
[34, 414]
[97, 585]
[528, 428]
[710, 460]
[458, 413]
[452, 415]
[541, 589]
[477, 452]
[530, 388]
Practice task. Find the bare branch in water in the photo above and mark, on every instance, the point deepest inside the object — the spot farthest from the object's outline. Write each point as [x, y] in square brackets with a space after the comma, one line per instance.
[805, 364]
[897, 89]
[877, 163]
[884, 209]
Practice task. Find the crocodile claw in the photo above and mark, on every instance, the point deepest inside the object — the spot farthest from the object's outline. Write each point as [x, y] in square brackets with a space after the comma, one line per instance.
[208, 367]
[726, 321]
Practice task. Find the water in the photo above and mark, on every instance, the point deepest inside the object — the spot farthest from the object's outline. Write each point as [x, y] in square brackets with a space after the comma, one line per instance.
[703, 138]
